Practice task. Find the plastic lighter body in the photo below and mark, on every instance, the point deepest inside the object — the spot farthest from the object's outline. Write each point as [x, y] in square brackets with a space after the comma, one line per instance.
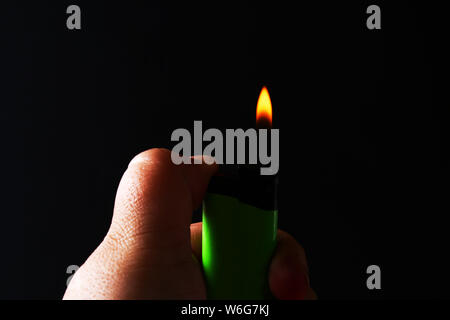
[238, 241]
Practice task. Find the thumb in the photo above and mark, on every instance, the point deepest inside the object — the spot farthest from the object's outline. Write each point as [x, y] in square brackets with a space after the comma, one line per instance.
[155, 201]
[147, 251]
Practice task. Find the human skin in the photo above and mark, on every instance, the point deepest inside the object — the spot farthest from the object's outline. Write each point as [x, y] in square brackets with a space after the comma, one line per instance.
[152, 251]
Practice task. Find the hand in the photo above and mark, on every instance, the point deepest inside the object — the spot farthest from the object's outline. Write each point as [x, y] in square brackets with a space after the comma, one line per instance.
[152, 251]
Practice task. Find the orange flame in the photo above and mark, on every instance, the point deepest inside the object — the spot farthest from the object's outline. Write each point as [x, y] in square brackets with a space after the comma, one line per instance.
[264, 109]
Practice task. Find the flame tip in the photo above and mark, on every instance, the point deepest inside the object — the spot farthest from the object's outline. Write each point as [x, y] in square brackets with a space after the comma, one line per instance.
[264, 107]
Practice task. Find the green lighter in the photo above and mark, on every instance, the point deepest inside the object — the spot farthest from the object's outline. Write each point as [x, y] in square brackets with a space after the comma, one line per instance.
[240, 225]
[238, 238]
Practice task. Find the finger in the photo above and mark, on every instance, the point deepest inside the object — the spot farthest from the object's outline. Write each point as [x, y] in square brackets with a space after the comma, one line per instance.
[147, 253]
[155, 201]
[196, 240]
[288, 272]
[289, 255]
[197, 178]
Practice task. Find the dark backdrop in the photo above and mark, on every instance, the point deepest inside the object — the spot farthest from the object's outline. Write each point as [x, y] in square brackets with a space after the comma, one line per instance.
[363, 165]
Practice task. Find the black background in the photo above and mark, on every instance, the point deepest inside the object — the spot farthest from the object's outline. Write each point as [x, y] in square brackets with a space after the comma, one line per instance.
[363, 168]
